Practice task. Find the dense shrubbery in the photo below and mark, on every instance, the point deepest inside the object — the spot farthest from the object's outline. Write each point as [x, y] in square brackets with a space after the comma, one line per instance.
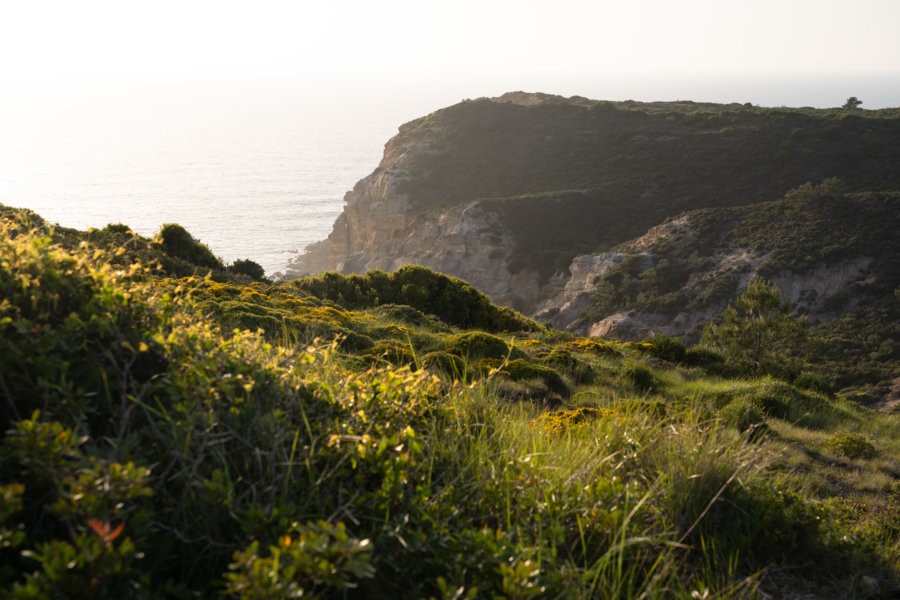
[576, 176]
[814, 226]
[852, 445]
[452, 300]
[149, 453]
[178, 243]
[249, 268]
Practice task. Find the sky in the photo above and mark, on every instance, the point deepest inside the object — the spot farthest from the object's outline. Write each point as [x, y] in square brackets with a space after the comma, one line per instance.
[51, 51]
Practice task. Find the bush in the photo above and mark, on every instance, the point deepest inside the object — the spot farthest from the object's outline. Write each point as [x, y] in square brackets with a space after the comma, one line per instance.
[758, 333]
[450, 299]
[703, 356]
[640, 376]
[445, 363]
[741, 414]
[851, 445]
[410, 316]
[814, 382]
[521, 370]
[475, 344]
[667, 348]
[249, 268]
[395, 352]
[174, 240]
[589, 346]
[562, 359]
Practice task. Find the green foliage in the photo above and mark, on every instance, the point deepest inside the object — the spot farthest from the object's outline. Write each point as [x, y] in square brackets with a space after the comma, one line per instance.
[574, 176]
[522, 370]
[249, 268]
[860, 347]
[475, 344]
[814, 382]
[852, 103]
[175, 241]
[80, 321]
[446, 364]
[452, 300]
[308, 559]
[851, 445]
[138, 432]
[702, 356]
[394, 352]
[758, 332]
[640, 376]
[667, 348]
[69, 491]
[741, 414]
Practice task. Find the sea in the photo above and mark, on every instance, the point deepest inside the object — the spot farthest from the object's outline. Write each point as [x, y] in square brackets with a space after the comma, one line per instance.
[260, 171]
[257, 176]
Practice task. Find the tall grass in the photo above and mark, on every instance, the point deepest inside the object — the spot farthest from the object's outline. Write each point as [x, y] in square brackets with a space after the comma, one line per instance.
[150, 453]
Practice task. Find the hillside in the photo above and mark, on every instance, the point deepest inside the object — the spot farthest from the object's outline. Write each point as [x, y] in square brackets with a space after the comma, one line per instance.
[505, 192]
[629, 218]
[834, 255]
[398, 436]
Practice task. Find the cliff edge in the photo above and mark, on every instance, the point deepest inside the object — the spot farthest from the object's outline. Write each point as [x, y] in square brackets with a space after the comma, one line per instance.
[549, 204]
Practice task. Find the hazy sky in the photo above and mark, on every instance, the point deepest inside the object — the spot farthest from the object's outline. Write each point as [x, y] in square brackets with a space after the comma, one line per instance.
[663, 47]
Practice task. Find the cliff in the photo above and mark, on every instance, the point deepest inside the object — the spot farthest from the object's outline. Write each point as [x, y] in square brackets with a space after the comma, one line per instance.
[609, 218]
[835, 257]
[380, 228]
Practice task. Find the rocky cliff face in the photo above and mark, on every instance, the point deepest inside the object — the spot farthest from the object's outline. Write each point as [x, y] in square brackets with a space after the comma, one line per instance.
[503, 193]
[377, 230]
[813, 292]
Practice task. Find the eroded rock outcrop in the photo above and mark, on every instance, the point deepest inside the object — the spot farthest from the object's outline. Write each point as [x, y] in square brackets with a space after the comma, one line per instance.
[377, 230]
[819, 292]
[503, 192]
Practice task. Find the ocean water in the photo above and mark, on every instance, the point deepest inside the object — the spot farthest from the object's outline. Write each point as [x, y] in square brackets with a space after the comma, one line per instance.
[249, 177]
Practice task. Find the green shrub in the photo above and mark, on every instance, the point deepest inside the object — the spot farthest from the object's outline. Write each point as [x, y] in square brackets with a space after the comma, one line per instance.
[175, 241]
[452, 300]
[445, 363]
[815, 382]
[703, 356]
[393, 351]
[249, 268]
[562, 359]
[308, 559]
[532, 391]
[851, 445]
[348, 339]
[667, 348]
[409, 315]
[565, 362]
[776, 398]
[758, 333]
[741, 414]
[475, 344]
[522, 370]
[640, 376]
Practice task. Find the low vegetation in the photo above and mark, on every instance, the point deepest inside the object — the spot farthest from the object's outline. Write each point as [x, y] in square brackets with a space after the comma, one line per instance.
[574, 176]
[189, 435]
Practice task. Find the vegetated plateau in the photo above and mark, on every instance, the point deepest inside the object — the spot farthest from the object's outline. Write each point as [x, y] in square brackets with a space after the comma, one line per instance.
[177, 428]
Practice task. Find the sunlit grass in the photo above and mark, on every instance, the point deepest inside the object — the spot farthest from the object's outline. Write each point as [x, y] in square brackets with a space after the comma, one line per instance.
[282, 463]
